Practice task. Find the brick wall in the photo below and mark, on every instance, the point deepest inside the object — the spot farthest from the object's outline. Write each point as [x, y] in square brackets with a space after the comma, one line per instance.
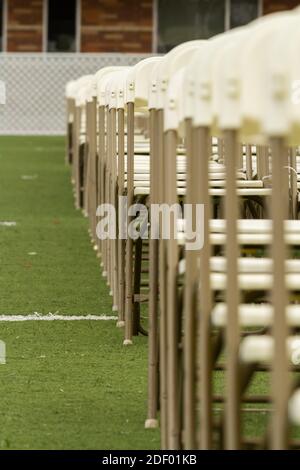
[116, 26]
[106, 25]
[25, 26]
[271, 6]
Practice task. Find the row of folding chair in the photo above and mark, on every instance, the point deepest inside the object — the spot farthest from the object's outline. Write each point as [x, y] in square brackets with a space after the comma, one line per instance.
[101, 178]
[231, 99]
[212, 125]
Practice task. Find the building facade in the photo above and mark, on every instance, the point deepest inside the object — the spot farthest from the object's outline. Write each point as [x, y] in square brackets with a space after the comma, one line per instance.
[132, 26]
[41, 41]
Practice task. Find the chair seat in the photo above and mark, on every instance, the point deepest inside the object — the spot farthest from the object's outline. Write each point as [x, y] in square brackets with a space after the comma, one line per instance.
[260, 349]
[294, 408]
[253, 265]
[256, 232]
[254, 281]
[256, 226]
[254, 315]
[255, 239]
[217, 192]
[145, 176]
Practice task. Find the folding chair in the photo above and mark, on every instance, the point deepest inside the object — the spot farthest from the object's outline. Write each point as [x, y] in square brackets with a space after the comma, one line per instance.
[79, 141]
[200, 126]
[236, 280]
[104, 161]
[234, 371]
[136, 96]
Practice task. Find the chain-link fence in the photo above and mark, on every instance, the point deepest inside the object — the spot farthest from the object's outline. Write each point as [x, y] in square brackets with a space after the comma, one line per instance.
[35, 85]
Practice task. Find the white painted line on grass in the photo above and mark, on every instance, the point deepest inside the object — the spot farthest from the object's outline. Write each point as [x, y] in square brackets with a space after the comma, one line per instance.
[29, 177]
[54, 317]
[5, 223]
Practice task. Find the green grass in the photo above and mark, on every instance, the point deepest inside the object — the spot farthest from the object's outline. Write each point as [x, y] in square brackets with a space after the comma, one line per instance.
[64, 276]
[66, 385]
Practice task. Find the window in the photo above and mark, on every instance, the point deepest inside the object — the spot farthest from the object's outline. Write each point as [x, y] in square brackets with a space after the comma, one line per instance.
[242, 11]
[185, 20]
[1, 25]
[61, 26]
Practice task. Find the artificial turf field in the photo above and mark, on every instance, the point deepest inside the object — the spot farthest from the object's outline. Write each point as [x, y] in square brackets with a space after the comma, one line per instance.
[66, 384]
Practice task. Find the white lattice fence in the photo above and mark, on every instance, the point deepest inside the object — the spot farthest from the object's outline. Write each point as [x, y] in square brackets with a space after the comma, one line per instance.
[35, 85]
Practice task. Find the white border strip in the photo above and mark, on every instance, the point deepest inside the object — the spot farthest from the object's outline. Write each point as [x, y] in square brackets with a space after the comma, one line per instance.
[54, 317]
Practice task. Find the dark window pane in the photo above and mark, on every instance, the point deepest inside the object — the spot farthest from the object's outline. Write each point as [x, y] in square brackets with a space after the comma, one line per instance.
[61, 25]
[184, 20]
[1, 25]
[242, 11]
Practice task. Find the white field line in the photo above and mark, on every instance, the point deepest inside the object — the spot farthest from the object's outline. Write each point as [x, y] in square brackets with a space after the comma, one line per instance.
[54, 317]
[29, 177]
[7, 223]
